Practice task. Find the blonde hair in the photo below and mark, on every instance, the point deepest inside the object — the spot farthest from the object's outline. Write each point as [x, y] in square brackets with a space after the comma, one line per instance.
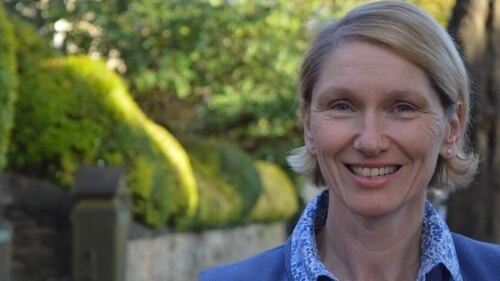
[413, 34]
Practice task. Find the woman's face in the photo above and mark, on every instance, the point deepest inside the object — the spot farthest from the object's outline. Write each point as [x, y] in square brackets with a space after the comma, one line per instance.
[377, 128]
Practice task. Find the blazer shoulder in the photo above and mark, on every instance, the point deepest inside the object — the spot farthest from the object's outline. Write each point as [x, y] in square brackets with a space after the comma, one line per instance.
[478, 260]
[471, 246]
[266, 266]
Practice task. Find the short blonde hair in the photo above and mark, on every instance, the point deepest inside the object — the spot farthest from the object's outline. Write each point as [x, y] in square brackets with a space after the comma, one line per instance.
[413, 34]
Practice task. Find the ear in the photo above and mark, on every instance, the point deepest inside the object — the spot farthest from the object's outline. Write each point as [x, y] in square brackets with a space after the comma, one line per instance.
[309, 138]
[454, 129]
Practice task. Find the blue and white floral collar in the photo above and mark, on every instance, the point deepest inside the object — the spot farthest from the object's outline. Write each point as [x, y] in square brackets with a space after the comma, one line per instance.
[437, 246]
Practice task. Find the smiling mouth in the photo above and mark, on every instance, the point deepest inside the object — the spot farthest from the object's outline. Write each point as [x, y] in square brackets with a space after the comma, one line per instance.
[373, 172]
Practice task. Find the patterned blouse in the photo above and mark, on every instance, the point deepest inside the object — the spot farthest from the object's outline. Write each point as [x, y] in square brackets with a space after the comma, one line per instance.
[438, 256]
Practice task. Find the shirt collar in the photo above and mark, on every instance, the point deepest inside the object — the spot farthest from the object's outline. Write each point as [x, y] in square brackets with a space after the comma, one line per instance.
[437, 246]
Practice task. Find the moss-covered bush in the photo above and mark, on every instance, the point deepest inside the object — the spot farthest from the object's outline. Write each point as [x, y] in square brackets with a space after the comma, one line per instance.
[77, 112]
[278, 199]
[234, 189]
[219, 205]
[228, 183]
[8, 82]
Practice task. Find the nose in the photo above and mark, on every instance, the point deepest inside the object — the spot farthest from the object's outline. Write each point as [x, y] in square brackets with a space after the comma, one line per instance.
[371, 139]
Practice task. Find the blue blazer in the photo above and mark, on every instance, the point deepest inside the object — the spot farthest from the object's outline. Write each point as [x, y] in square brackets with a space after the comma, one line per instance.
[479, 261]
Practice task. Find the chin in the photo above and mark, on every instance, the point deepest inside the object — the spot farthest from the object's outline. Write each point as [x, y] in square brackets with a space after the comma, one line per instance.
[369, 206]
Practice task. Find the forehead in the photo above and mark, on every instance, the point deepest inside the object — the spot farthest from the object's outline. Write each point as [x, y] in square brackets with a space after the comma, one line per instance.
[360, 66]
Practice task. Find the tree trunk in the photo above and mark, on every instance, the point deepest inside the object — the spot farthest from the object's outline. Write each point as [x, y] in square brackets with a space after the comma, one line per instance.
[475, 24]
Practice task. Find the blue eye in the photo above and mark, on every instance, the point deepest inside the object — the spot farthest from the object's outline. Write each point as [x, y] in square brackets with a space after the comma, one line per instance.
[341, 106]
[403, 107]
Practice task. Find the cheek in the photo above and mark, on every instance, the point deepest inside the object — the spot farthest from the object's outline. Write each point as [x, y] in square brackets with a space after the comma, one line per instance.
[421, 138]
[331, 135]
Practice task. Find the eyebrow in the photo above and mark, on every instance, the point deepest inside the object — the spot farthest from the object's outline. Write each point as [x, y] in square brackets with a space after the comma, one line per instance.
[334, 90]
[398, 93]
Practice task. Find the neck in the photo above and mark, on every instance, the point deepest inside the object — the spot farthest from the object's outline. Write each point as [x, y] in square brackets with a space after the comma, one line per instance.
[382, 248]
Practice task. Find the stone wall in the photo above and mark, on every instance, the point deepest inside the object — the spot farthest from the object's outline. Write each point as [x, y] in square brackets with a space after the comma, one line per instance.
[40, 218]
[181, 256]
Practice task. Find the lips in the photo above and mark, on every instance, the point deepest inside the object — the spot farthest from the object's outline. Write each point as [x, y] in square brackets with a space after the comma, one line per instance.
[371, 172]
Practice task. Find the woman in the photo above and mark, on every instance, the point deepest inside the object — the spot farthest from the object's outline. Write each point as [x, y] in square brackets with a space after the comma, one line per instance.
[384, 98]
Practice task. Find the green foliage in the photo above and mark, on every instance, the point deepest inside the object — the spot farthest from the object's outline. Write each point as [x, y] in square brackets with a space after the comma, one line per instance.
[225, 166]
[84, 117]
[278, 199]
[8, 83]
[31, 47]
[77, 112]
[219, 205]
[440, 10]
[238, 170]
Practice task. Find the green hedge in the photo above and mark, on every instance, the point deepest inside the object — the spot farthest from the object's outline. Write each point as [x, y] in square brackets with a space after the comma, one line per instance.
[228, 183]
[278, 199]
[234, 189]
[77, 112]
[219, 205]
[8, 82]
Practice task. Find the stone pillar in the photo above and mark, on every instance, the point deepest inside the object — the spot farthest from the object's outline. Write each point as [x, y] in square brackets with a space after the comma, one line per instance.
[100, 221]
[5, 237]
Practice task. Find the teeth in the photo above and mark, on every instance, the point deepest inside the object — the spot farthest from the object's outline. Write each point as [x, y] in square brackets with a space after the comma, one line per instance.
[374, 172]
